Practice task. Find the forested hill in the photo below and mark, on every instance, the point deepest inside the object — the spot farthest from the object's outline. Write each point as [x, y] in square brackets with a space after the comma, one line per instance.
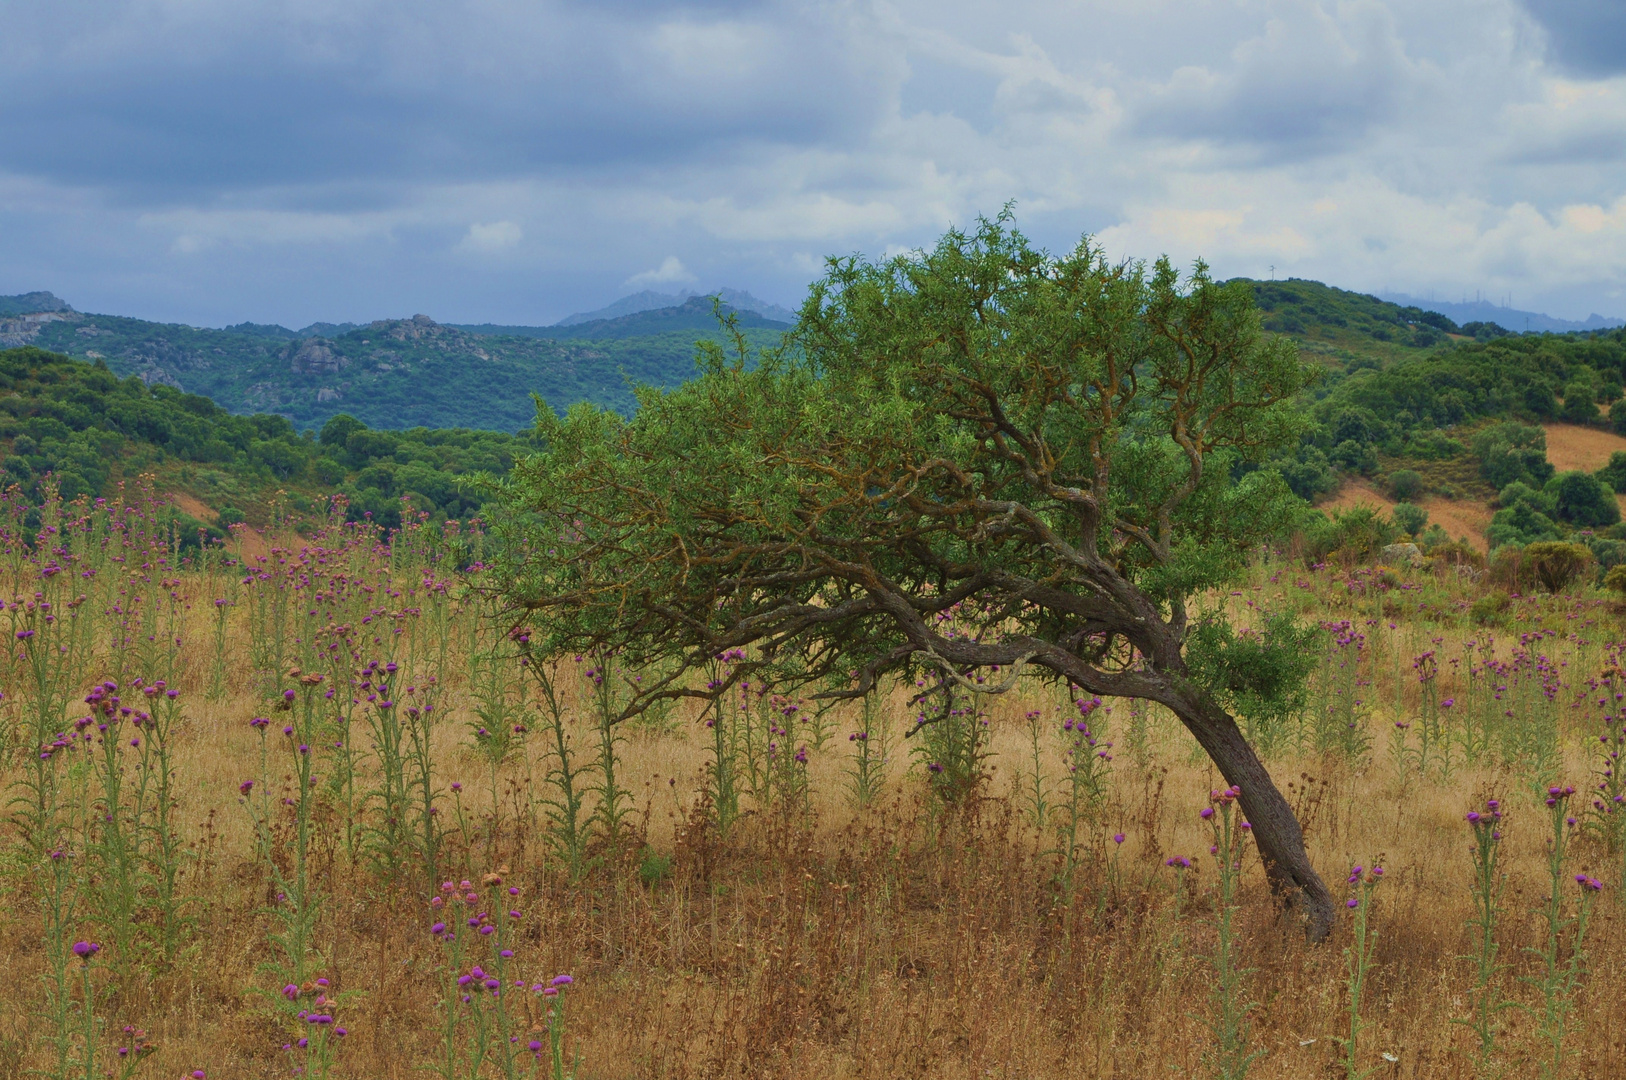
[79, 426]
[1336, 322]
[397, 373]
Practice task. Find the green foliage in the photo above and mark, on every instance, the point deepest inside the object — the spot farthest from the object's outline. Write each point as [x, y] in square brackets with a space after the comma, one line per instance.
[1490, 610]
[1615, 579]
[1408, 518]
[1525, 518]
[1614, 473]
[1513, 452]
[398, 373]
[1405, 485]
[1580, 404]
[83, 426]
[1555, 565]
[1617, 417]
[1356, 534]
[1401, 405]
[1260, 675]
[1296, 306]
[1582, 499]
[950, 426]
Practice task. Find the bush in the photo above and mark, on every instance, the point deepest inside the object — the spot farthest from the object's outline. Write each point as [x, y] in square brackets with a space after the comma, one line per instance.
[1405, 484]
[230, 515]
[1355, 535]
[1614, 473]
[1351, 456]
[1580, 404]
[1617, 416]
[1608, 551]
[1509, 452]
[1615, 579]
[1555, 565]
[1582, 499]
[1525, 517]
[1490, 610]
[1409, 518]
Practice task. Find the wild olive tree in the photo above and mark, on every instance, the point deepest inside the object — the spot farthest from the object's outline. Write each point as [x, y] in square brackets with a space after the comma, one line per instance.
[1056, 449]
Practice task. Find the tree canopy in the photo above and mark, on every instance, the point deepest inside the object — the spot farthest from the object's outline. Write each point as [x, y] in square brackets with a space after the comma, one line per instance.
[970, 462]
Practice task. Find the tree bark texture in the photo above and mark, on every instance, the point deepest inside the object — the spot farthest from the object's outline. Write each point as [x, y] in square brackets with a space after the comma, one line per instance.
[1275, 828]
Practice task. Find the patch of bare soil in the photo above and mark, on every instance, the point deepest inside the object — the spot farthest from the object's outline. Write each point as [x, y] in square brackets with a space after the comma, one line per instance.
[1461, 518]
[251, 539]
[1571, 447]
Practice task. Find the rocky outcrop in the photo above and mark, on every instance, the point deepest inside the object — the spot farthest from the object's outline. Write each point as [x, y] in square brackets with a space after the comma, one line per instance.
[315, 355]
[420, 329]
[23, 329]
[1402, 553]
[326, 394]
[152, 373]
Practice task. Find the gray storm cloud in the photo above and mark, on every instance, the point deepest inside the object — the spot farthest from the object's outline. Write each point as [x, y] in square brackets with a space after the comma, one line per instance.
[515, 161]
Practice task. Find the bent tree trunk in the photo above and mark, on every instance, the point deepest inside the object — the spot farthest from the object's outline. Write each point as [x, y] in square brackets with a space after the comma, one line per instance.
[1275, 828]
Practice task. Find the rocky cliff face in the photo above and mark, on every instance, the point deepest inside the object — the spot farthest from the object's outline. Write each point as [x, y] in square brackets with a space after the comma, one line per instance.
[316, 355]
[21, 330]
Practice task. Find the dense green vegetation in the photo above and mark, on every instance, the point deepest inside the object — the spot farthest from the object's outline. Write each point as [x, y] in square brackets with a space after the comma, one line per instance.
[1417, 424]
[84, 428]
[1404, 398]
[399, 373]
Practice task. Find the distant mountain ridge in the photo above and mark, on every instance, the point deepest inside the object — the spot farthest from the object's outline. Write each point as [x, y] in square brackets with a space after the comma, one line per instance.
[695, 313]
[31, 303]
[1508, 318]
[648, 300]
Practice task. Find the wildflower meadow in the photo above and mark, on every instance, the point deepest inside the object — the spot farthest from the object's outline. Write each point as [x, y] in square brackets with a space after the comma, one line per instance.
[306, 804]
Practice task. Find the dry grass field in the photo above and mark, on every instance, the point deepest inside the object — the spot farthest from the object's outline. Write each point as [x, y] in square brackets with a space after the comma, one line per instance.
[833, 929]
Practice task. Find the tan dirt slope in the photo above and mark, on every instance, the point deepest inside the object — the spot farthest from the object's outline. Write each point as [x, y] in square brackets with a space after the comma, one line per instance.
[253, 543]
[1458, 517]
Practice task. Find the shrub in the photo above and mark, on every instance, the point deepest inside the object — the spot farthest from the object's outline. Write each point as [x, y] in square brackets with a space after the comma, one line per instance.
[1490, 610]
[1409, 518]
[1405, 484]
[1617, 416]
[1615, 579]
[1614, 473]
[1355, 534]
[1582, 499]
[1555, 565]
[230, 515]
[1353, 457]
[1608, 551]
[1509, 452]
[1580, 404]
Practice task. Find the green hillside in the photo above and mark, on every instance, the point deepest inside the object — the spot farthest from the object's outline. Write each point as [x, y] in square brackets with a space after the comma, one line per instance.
[79, 426]
[397, 373]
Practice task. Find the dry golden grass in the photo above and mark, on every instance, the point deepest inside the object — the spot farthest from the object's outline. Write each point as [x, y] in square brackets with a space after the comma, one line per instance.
[1461, 518]
[901, 940]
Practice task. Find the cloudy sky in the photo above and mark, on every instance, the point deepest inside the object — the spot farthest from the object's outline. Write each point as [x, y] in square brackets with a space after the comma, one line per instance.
[516, 160]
